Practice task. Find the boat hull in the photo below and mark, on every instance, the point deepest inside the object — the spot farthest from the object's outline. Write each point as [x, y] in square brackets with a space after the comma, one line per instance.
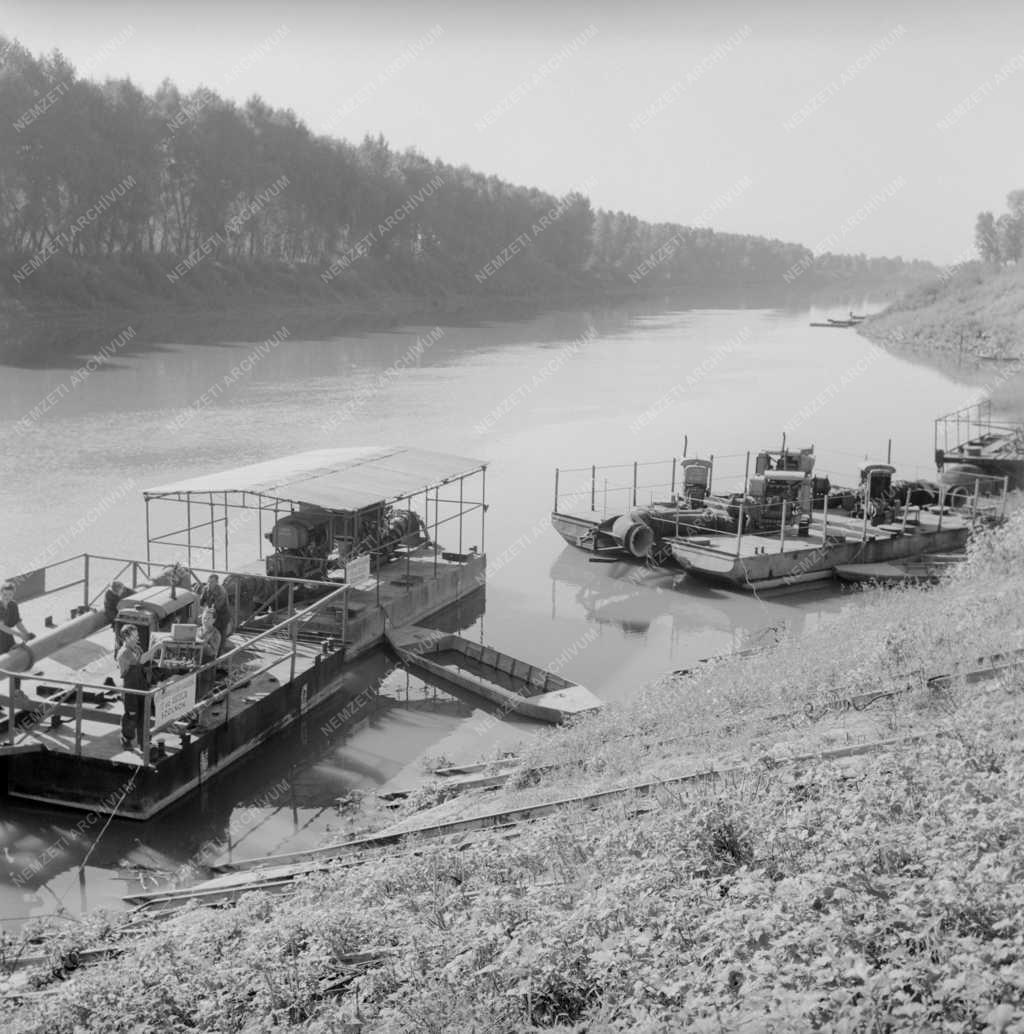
[803, 561]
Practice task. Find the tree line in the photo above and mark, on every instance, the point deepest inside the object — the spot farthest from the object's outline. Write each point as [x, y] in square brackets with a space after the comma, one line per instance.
[1001, 241]
[95, 170]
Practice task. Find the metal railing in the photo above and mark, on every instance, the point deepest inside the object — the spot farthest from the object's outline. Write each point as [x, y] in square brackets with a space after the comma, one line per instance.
[79, 710]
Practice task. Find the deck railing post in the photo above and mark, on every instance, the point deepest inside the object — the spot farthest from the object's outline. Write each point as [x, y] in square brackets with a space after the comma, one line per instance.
[634, 481]
[672, 492]
[867, 503]
[78, 721]
[824, 527]
[711, 471]
[782, 529]
[739, 527]
[147, 710]
[85, 580]
[593, 486]
[556, 490]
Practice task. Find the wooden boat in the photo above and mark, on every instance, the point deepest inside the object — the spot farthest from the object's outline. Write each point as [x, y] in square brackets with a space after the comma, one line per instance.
[514, 685]
[916, 570]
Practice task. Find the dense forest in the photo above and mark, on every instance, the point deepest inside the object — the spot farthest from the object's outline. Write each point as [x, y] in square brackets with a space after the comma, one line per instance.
[93, 172]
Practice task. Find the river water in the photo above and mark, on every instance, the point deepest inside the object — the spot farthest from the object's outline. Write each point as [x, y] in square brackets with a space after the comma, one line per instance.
[567, 389]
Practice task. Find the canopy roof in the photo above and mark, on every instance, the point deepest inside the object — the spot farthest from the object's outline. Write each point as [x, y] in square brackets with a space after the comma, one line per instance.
[335, 479]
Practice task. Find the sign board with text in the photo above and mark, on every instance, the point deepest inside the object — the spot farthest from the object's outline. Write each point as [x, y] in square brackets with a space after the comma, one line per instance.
[358, 570]
[174, 699]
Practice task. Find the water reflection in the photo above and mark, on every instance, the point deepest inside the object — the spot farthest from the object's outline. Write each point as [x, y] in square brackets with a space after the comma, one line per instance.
[298, 789]
[634, 598]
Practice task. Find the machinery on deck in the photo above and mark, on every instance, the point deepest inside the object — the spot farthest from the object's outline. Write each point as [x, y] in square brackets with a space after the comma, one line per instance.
[310, 542]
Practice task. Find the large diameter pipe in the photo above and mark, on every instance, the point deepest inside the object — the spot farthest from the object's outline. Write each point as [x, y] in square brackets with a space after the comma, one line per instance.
[27, 655]
[635, 537]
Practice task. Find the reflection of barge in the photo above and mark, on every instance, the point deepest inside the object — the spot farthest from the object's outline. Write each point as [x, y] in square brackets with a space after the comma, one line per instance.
[348, 557]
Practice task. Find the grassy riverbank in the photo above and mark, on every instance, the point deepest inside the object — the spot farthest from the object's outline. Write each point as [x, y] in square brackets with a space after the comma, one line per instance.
[881, 892]
[976, 314]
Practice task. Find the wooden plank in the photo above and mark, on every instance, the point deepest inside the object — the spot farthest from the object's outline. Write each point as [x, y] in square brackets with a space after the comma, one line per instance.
[319, 858]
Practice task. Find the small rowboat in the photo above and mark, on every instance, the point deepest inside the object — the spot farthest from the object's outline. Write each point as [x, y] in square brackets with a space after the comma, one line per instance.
[514, 685]
[923, 569]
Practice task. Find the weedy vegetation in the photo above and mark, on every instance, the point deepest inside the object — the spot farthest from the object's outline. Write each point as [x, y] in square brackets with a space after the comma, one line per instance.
[880, 892]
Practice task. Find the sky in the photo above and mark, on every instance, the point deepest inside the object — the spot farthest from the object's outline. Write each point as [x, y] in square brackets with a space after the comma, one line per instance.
[873, 126]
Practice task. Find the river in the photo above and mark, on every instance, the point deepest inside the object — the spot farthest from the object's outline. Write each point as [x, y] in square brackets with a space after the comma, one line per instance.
[566, 389]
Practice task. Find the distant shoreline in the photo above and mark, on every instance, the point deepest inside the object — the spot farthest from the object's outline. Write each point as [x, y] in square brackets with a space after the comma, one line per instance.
[249, 303]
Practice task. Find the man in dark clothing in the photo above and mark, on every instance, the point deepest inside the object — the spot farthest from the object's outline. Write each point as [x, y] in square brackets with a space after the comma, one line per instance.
[133, 675]
[216, 599]
[10, 620]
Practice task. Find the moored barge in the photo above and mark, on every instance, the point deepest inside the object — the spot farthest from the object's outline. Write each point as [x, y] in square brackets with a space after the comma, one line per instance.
[970, 445]
[353, 550]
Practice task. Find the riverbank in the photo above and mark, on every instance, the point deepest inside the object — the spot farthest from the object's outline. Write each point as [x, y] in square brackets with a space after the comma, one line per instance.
[974, 316]
[878, 892]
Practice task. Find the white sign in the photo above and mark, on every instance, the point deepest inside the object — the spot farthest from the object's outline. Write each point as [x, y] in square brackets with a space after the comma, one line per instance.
[358, 570]
[174, 699]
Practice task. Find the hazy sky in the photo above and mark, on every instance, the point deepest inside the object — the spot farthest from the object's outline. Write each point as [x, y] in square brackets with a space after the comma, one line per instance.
[780, 117]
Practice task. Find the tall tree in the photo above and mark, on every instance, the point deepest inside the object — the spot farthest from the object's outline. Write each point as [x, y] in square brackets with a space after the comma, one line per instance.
[985, 239]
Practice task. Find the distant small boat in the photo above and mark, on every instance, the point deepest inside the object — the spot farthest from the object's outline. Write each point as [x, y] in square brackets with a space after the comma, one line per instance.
[514, 685]
[835, 323]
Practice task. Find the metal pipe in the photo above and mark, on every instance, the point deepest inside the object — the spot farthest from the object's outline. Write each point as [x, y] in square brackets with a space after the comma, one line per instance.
[460, 515]
[824, 530]
[556, 490]
[888, 454]
[593, 485]
[672, 492]
[686, 442]
[634, 481]
[26, 655]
